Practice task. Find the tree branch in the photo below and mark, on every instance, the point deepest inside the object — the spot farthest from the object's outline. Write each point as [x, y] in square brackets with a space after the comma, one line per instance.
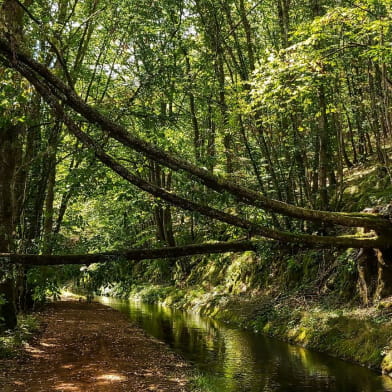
[133, 254]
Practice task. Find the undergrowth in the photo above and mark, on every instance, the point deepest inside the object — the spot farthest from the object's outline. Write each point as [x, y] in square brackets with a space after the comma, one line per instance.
[12, 341]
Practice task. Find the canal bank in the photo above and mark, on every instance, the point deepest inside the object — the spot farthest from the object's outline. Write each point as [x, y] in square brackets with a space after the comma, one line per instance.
[355, 334]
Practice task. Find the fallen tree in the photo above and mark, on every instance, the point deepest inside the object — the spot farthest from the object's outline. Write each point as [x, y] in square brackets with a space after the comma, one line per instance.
[369, 261]
[133, 254]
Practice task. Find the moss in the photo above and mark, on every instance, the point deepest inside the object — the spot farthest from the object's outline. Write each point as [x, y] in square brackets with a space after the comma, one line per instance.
[385, 304]
[386, 365]
[353, 339]
[371, 187]
[347, 337]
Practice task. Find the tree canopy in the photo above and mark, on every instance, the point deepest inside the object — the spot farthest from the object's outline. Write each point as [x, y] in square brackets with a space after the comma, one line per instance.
[242, 113]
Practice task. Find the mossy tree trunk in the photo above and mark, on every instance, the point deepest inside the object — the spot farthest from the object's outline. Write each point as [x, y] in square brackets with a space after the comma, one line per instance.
[374, 274]
[367, 265]
[384, 273]
[375, 267]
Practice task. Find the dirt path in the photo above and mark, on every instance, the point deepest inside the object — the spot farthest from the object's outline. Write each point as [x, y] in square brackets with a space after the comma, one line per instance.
[92, 348]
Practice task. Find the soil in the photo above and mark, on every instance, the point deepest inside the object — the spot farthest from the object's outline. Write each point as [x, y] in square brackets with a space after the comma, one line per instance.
[92, 348]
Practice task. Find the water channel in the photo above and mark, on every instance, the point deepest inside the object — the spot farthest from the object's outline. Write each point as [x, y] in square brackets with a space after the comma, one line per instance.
[233, 360]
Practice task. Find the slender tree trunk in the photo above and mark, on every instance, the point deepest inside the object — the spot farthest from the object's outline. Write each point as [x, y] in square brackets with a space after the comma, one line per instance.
[211, 133]
[248, 34]
[49, 210]
[284, 20]
[192, 106]
[323, 151]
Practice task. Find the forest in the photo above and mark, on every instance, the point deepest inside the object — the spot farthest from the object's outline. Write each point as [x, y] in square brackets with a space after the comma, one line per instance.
[164, 143]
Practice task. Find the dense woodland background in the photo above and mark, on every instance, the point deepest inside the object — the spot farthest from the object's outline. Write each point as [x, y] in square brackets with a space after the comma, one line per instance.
[286, 97]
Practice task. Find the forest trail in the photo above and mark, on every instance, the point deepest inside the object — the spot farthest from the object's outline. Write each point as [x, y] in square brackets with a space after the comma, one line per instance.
[92, 348]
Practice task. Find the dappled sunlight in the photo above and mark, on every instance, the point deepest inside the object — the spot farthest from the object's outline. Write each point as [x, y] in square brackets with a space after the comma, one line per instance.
[96, 350]
[19, 383]
[34, 351]
[68, 366]
[48, 344]
[112, 377]
[104, 300]
[67, 295]
[67, 387]
[178, 381]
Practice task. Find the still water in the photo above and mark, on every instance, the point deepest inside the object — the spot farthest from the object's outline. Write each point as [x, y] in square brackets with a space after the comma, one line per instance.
[233, 360]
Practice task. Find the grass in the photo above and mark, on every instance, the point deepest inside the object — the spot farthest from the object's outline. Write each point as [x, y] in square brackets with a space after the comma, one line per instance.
[200, 382]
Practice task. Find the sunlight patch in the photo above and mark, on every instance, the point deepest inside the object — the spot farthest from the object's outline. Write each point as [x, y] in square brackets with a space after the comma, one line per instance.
[112, 377]
[67, 387]
[48, 344]
[68, 366]
[33, 350]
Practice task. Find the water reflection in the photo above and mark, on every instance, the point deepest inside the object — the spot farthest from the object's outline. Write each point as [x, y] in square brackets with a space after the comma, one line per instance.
[240, 361]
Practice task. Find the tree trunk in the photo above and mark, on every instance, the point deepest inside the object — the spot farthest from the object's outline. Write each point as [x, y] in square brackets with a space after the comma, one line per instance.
[384, 275]
[374, 274]
[367, 275]
[323, 151]
[375, 268]
[197, 142]
[10, 153]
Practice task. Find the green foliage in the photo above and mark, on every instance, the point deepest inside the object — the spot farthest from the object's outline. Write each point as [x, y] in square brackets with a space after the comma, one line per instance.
[14, 97]
[12, 341]
[45, 282]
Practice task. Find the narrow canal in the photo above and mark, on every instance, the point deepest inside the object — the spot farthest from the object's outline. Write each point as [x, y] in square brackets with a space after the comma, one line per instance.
[233, 360]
